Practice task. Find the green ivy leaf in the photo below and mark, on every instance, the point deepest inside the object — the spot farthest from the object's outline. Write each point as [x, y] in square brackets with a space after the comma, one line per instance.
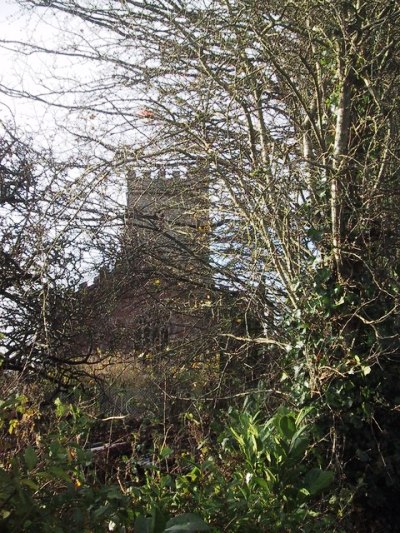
[61, 408]
[165, 452]
[58, 473]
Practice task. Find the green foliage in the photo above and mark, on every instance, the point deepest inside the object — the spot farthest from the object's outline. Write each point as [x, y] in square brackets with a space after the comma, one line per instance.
[260, 476]
[158, 522]
[46, 488]
[340, 362]
[257, 475]
[53, 487]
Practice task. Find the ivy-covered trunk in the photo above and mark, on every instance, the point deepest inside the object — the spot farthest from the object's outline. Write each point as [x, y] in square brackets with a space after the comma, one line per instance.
[346, 333]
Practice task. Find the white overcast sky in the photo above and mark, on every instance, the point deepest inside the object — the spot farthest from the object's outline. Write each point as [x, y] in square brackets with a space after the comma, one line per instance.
[16, 70]
[28, 72]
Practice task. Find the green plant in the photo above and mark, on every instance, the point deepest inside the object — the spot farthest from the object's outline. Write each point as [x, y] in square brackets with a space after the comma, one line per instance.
[159, 522]
[52, 487]
[47, 487]
[259, 476]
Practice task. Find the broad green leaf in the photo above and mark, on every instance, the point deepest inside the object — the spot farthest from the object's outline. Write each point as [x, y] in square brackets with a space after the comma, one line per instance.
[287, 426]
[165, 452]
[29, 483]
[263, 484]
[254, 443]
[30, 458]
[12, 425]
[59, 473]
[157, 521]
[238, 437]
[166, 481]
[299, 443]
[188, 522]
[303, 414]
[194, 474]
[298, 447]
[101, 512]
[317, 480]
[61, 408]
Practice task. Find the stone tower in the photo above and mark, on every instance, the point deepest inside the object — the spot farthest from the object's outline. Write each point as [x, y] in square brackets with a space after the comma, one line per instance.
[159, 285]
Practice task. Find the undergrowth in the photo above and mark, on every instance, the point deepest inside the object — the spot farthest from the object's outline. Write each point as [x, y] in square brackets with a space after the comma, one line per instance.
[252, 472]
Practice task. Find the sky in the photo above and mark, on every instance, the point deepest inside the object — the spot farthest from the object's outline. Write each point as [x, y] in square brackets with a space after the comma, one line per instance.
[11, 27]
[17, 70]
[44, 125]
[30, 72]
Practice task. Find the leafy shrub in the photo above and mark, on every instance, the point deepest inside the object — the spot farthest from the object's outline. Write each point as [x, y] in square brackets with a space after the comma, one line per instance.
[52, 487]
[45, 488]
[261, 476]
[258, 475]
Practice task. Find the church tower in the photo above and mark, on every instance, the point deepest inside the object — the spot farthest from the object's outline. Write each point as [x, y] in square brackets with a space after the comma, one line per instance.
[162, 279]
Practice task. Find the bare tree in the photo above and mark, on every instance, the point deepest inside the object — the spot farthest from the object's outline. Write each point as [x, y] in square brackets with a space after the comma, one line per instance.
[289, 115]
[290, 112]
[48, 217]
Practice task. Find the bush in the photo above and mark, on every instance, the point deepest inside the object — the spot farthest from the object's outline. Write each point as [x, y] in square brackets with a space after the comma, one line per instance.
[261, 476]
[257, 475]
[46, 488]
